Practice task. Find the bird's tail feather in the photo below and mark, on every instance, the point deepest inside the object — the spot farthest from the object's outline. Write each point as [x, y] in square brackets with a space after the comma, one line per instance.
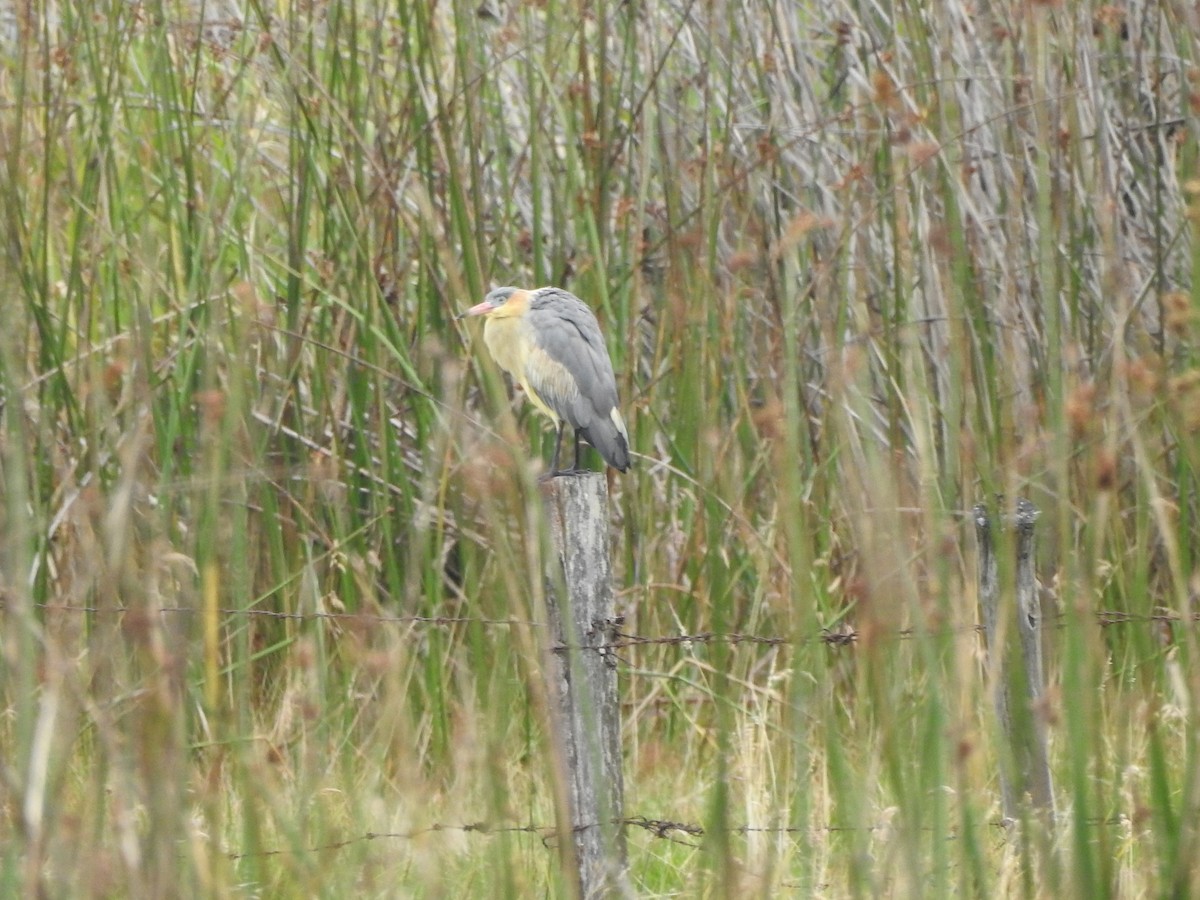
[610, 444]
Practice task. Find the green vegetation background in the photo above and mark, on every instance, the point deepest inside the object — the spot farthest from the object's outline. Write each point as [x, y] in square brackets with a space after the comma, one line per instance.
[268, 535]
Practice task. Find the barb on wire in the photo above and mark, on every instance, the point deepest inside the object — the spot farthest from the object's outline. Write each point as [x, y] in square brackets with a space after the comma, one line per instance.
[666, 829]
[1107, 617]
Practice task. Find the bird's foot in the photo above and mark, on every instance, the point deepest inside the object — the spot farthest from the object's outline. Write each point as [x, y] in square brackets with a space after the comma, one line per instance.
[557, 473]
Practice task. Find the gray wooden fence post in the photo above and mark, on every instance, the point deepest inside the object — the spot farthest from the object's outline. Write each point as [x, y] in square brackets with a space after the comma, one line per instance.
[1015, 665]
[583, 689]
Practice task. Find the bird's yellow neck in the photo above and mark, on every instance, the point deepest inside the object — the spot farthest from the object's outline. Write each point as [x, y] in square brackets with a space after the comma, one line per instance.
[506, 342]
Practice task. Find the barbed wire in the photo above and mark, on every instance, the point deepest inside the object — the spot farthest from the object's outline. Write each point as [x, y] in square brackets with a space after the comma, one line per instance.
[846, 634]
[842, 635]
[348, 617]
[623, 640]
[678, 832]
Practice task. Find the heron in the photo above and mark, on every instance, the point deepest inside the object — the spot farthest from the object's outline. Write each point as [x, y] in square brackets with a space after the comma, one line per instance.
[549, 341]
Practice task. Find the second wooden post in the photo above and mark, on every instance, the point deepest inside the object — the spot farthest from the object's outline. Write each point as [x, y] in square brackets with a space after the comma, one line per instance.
[1012, 626]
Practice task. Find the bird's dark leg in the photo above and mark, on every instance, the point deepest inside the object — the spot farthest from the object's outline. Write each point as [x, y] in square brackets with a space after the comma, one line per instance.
[575, 468]
[557, 447]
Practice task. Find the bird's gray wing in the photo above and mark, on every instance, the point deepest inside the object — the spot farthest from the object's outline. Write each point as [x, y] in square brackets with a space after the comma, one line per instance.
[566, 330]
[571, 370]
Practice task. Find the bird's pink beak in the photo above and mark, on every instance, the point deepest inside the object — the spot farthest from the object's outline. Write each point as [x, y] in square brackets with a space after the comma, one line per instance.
[477, 310]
